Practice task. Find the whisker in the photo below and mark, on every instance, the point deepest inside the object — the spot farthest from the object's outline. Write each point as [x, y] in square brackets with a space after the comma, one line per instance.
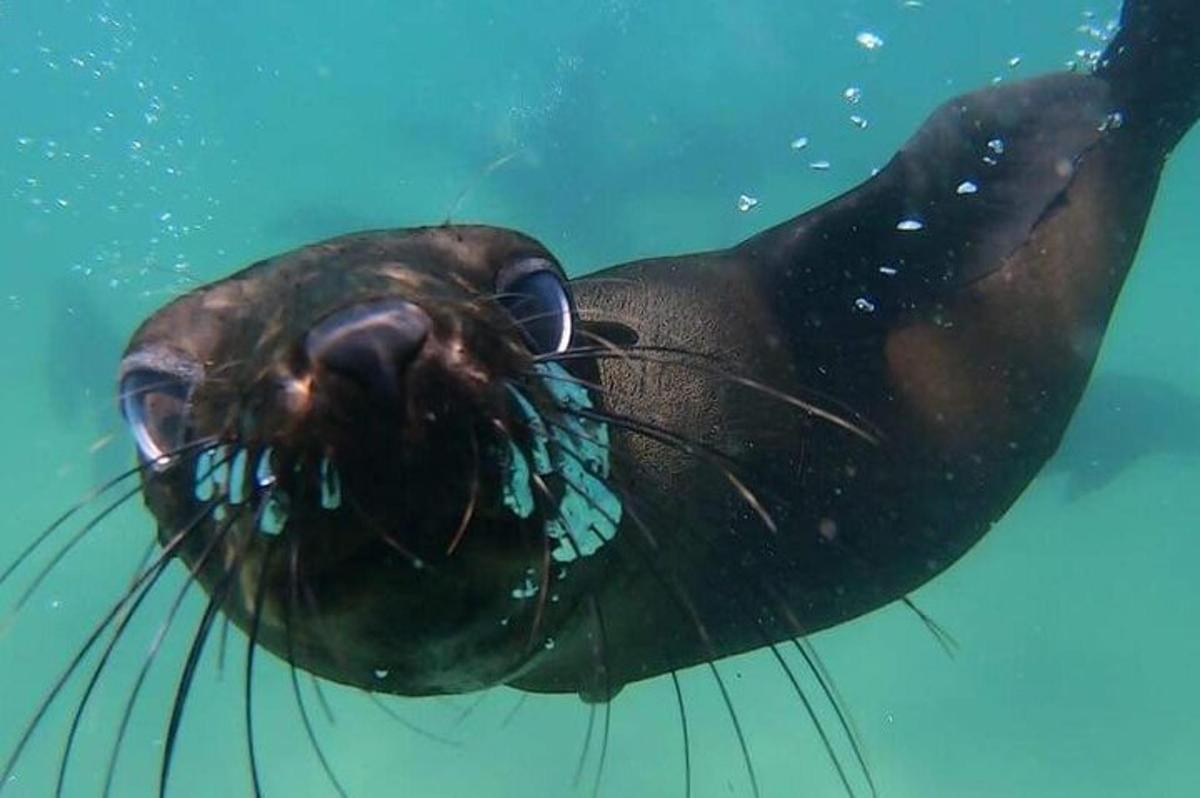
[628, 504]
[223, 646]
[829, 688]
[146, 579]
[293, 575]
[73, 541]
[944, 639]
[682, 445]
[63, 551]
[217, 597]
[602, 643]
[683, 727]
[812, 715]
[248, 682]
[98, 670]
[737, 727]
[647, 354]
[805, 701]
[512, 713]
[676, 592]
[627, 497]
[484, 174]
[587, 744]
[388, 539]
[602, 279]
[160, 635]
[469, 512]
[543, 590]
[825, 683]
[470, 708]
[716, 674]
[687, 446]
[42, 536]
[321, 699]
[549, 496]
[408, 724]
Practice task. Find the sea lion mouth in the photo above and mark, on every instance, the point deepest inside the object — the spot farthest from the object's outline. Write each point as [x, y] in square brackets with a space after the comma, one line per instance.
[371, 463]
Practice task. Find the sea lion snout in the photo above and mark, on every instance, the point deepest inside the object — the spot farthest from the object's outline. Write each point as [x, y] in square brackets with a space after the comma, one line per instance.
[370, 344]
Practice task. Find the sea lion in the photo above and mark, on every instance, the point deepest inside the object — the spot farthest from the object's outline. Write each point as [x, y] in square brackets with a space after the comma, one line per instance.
[421, 461]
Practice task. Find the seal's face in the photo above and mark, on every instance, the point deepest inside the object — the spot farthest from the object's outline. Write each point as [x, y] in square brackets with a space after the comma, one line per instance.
[364, 454]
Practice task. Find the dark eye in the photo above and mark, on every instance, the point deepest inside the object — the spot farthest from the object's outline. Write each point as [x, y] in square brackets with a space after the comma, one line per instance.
[154, 404]
[538, 301]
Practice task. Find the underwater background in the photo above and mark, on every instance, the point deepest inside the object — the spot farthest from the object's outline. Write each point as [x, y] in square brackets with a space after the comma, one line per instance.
[148, 145]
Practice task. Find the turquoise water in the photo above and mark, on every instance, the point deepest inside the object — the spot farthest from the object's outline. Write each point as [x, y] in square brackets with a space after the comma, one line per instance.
[145, 146]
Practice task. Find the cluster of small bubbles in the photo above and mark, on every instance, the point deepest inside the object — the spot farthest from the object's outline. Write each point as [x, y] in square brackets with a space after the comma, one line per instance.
[528, 589]
[115, 158]
[868, 40]
[746, 203]
[1114, 121]
[1099, 36]
[859, 122]
[853, 95]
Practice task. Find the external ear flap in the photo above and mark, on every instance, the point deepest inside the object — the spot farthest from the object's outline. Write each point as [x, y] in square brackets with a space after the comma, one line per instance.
[607, 331]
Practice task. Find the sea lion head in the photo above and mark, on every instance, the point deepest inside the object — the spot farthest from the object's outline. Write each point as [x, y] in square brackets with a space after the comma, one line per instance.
[367, 453]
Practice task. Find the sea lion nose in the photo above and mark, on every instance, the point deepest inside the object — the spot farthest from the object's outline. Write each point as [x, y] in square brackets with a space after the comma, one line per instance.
[371, 343]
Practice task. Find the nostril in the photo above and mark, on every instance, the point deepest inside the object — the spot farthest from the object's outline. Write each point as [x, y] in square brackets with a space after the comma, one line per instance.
[371, 343]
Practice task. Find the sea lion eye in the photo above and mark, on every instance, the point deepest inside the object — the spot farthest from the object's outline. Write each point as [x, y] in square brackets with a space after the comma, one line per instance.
[536, 298]
[154, 404]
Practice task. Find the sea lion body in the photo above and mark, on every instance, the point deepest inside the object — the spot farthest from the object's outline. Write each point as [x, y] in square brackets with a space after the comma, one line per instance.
[966, 346]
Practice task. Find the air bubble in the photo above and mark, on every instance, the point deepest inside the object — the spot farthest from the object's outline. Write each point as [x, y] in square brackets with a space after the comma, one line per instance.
[746, 203]
[868, 40]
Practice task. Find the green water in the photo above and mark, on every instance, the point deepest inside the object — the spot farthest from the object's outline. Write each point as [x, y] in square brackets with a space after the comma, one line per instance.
[147, 145]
